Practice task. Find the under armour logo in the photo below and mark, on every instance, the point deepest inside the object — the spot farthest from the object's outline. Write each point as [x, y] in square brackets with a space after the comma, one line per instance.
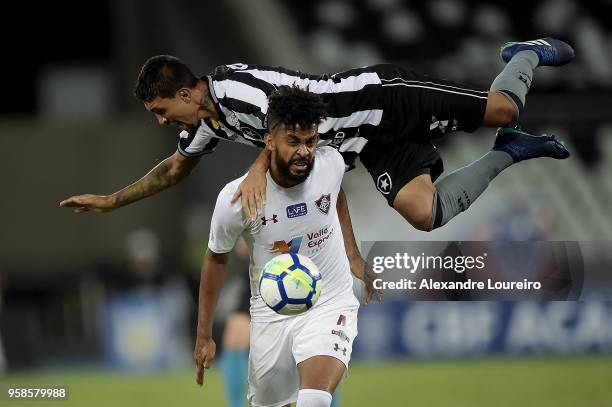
[523, 77]
[462, 203]
[383, 183]
[337, 348]
[441, 124]
[265, 220]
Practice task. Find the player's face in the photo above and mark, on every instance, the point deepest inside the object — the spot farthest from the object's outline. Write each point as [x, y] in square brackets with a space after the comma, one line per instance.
[180, 110]
[293, 151]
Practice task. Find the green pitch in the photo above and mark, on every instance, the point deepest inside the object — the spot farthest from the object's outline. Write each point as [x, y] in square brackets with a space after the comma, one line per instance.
[498, 382]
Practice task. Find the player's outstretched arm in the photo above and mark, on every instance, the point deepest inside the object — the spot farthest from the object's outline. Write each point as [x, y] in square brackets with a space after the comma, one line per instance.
[166, 174]
[253, 187]
[359, 267]
[211, 282]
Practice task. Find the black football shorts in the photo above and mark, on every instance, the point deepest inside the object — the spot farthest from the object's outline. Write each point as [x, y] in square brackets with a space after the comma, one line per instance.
[395, 165]
[417, 109]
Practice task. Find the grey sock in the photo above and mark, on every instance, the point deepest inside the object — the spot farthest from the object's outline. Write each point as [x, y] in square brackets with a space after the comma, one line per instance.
[457, 191]
[514, 80]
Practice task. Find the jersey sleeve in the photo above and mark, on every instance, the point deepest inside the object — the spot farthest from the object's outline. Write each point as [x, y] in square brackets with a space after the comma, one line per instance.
[227, 223]
[197, 142]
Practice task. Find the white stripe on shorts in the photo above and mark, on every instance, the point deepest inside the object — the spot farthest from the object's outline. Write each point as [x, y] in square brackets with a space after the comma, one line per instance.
[441, 85]
[436, 88]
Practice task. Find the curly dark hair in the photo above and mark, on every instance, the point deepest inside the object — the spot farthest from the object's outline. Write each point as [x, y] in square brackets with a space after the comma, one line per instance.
[291, 105]
[163, 76]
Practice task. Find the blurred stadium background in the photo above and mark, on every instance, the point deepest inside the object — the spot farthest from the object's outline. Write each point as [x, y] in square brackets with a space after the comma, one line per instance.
[106, 303]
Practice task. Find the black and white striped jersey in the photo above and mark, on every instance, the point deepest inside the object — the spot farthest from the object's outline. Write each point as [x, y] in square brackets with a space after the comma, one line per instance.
[240, 92]
[369, 108]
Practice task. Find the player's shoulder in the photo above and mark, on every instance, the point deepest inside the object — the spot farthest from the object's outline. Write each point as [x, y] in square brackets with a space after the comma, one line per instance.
[326, 152]
[329, 163]
[231, 187]
[227, 192]
[223, 72]
[200, 130]
[197, 141]
[263, 72]
[330, 155]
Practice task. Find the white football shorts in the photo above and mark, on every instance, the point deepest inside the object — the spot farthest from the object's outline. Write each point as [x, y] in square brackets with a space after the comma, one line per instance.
[277, 347]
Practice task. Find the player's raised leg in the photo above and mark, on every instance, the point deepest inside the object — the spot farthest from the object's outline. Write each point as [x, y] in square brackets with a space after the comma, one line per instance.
[509, 89]
[457, 191]
[319, 377]
[413, 201]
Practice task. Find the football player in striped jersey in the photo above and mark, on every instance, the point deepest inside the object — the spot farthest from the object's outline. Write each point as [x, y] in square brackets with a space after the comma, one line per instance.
[383, 114]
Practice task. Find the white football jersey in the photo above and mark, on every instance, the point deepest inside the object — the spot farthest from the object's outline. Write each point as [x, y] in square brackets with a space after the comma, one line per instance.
[301, 219]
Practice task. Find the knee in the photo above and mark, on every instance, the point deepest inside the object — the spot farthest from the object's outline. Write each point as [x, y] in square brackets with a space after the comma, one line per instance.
[500, 111]
[422, 218]
[417, 210]
[506, 113]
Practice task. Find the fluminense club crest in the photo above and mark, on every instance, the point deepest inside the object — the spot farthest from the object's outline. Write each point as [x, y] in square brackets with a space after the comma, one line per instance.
[324, 203]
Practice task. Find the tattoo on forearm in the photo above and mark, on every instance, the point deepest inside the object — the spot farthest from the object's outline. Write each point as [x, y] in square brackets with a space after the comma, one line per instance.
[155, 181]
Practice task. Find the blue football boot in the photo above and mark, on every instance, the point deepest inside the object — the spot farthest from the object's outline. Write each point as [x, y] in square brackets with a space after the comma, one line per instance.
[550, 51]
[521, 145]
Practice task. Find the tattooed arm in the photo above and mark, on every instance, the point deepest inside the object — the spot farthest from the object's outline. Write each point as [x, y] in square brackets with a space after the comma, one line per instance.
[166, 174]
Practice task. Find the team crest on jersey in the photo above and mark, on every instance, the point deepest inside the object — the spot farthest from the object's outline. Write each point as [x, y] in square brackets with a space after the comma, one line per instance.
[324, 203]
[384, 183]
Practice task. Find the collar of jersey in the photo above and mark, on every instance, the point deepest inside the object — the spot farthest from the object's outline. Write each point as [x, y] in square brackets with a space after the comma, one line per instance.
[211, 89]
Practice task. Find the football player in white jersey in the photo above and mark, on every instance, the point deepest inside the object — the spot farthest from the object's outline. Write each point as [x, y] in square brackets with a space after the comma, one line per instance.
[292, 358]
